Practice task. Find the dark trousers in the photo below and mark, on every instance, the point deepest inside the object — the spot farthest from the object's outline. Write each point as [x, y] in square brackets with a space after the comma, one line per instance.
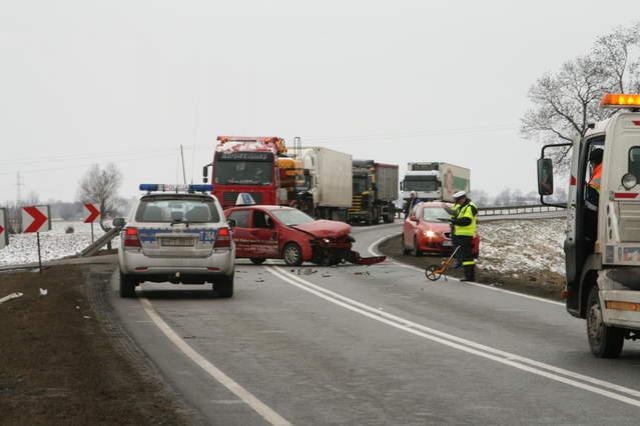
[466, 255]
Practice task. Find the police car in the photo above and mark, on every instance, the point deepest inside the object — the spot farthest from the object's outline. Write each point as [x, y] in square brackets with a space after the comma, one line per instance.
[176, 234]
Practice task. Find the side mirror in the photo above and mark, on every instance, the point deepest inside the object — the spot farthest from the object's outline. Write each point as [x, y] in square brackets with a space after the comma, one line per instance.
[232, 223]
[545, 176]
[119, 222]
[205, 174]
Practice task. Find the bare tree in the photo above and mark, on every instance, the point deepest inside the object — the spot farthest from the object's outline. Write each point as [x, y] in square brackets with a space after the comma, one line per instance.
[100, 186]
[565, 102]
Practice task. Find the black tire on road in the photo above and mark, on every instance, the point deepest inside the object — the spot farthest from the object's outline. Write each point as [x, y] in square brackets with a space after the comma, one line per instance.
[223, 287]
[416, 250]
[292, 254]
[604, 341]
[257, 260]
[389, 218]
[127, 285]
[405, 250]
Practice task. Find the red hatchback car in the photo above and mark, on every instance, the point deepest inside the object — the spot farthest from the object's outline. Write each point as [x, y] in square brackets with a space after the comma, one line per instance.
[274, 232]
[427, 230]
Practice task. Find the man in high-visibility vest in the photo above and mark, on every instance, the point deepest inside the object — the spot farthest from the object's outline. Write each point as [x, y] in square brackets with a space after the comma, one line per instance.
[464, 229]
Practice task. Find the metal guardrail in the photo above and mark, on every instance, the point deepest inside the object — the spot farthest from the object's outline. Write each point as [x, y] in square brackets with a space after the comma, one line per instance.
[517, 210]
[93, 248]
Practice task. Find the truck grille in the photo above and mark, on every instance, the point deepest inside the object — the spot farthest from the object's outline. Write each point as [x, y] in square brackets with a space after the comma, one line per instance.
[229, 198]
[629, 222]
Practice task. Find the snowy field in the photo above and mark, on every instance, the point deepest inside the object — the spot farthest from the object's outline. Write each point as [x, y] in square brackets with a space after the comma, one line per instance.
[522, 246]
[55, 244]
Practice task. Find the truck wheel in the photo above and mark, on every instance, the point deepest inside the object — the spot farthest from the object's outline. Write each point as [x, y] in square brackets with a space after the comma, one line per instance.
[388, 218]
[257, 260]
[127, 285]
[292, 254]
[223, 287]
[604, 341]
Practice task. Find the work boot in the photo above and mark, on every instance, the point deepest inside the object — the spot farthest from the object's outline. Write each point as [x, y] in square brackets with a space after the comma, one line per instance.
[469, 273]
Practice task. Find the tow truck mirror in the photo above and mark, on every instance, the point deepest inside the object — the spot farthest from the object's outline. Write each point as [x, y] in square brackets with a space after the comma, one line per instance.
[545, 176]
[119, 222]
[232, 223]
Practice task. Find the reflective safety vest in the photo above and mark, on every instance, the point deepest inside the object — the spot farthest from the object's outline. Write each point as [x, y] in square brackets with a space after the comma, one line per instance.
[467, 211]
[594, 182]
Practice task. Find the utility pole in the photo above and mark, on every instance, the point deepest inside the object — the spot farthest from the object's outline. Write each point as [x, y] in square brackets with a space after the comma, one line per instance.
[19, 184]
[184, 173]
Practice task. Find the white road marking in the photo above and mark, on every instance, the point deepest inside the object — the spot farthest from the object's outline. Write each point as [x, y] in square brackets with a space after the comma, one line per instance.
[373, 249]
[529, 365]
[247, 397]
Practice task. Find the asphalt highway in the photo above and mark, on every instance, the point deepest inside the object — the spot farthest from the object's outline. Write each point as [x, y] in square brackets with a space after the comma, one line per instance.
[376, 345]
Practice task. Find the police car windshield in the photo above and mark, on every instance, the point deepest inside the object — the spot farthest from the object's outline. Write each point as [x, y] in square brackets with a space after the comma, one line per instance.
[291, 217]
[435, 214]
[177, 210]
[230, 172]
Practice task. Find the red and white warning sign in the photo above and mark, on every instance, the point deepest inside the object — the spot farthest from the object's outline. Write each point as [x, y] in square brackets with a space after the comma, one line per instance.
[36, 219]
[93, 211]
[4, 232]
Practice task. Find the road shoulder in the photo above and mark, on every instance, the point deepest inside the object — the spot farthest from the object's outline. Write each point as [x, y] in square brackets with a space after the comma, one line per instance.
[65, 359]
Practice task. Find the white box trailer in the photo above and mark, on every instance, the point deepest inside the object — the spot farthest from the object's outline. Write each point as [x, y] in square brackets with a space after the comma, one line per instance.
[330, 176]
[435, 180]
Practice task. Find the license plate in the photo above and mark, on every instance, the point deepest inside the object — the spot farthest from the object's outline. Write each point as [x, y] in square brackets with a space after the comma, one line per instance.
[176, 242]
[446, 244]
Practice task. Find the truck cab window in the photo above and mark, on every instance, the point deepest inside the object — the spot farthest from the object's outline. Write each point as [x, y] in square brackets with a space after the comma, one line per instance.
[634, 161]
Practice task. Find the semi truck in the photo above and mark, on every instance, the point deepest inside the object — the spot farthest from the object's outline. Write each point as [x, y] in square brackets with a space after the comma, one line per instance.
[247, 165]
[602, 243]
[375, 189]
[327, 192]
[315, 180]
[434, 181]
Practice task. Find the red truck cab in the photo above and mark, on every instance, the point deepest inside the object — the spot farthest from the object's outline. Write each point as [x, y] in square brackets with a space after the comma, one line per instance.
[247, 165]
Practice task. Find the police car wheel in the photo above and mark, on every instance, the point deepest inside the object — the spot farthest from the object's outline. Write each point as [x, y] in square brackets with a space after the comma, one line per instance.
[604, 341]
[127, 285]
[257, 260]
[223, 287]
[292, 254]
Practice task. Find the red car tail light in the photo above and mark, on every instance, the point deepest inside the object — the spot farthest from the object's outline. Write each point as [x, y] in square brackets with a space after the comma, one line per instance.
[131, 238]
[223, 239]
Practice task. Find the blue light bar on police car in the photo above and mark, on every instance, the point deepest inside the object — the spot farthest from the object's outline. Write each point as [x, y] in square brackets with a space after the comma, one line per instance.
[155, 187]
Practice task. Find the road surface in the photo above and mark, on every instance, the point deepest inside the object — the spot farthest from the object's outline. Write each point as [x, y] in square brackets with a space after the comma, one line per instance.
[377, 346]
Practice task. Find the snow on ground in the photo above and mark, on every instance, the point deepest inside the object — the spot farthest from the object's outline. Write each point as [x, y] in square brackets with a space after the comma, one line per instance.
[54, 244]
[522, 246]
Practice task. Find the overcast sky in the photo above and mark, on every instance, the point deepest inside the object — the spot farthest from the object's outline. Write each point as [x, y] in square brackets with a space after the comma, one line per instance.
[87, 82]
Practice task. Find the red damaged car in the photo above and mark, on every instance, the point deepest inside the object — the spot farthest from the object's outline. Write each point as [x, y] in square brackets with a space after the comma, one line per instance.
[275, 232]
[427, 230]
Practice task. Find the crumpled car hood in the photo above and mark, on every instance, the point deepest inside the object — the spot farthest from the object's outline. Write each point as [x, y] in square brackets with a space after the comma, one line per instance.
[325, 228]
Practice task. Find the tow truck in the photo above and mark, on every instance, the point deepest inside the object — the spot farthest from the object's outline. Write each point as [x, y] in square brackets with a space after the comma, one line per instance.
[248, 165]
[602, 244]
